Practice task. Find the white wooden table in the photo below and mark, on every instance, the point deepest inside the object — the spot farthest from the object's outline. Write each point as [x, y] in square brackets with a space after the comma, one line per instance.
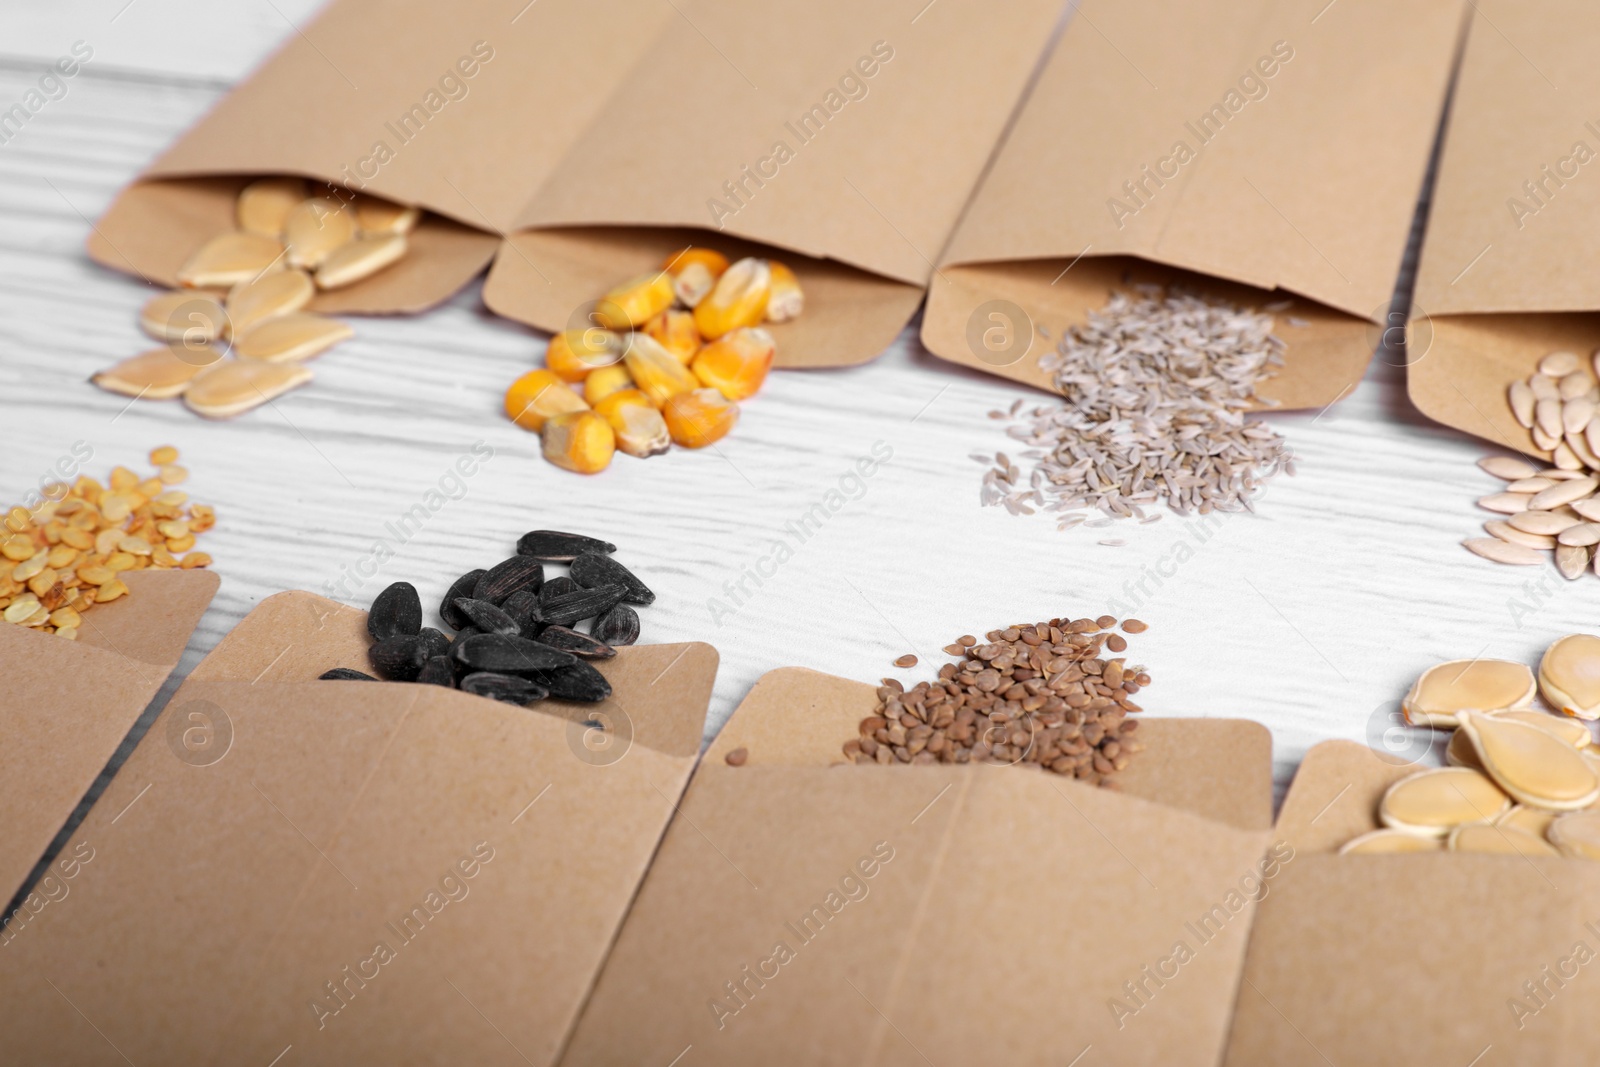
[1312, 616]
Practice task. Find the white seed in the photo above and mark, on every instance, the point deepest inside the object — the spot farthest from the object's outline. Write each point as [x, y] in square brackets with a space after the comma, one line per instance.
[291, 338]
[1579, 444]
[1569, 675]
[1543, 441]
[1522, 403]
[1445, 689]
[1508, 467]
[1547, 416]
[1574, 386]
[1575, 414]
[233, 386]
[1565, 458]
[1580, 536]
[360, 258]
[1571, 560]
[1532, 765]
[1588, 509]
[1507, 532]
[1559, 364]
[159, 374]
[183, 315]
[1530, 485]
[1543, 387]
[1557, 474]
[1576, 834]
[265, 297]
[1563, 493]
[264, 204]
[1505, 503]
[1499, 551]
[1433, 802]
[230, 258]
[315, 228]
[1550, 523]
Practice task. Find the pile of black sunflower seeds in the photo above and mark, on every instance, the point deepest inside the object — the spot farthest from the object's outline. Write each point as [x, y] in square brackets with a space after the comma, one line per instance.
[515, 631]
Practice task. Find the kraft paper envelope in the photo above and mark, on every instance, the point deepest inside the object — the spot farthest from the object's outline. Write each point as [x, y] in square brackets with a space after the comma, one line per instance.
[805, 913]
[1508, 271]
[597, 132]
[69, 704]
[1263, 152]
[1412, 959]
[353, 872]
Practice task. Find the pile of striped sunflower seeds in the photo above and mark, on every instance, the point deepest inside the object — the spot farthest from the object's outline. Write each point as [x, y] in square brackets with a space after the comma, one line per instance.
[244, 293]
[515, 639]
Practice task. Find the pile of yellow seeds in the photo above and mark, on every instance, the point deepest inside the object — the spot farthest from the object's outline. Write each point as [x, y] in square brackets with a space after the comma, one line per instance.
[667, 359]
[66, 555]
[244, 293]
[1521, 781]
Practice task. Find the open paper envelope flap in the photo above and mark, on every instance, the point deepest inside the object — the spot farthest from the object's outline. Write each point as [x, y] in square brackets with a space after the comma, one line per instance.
[981, 879]
[70, 703]
[1345, 949]
[298, 853]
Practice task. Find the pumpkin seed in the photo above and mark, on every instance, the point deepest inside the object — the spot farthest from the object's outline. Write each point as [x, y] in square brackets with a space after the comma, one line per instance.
[509, 576]
[1570, 730]
[1576, 834]
[508, 654]
[291, 337]
[1569, 675]
[1391, 841]
[233, 386]
[592, 570]
[1433, 802]
[360, 259]
[345, 674]
[264, 204]
[554, 546]
[619, 626]
[160, 374]
[1444, 690]
[1533, 765]
[375, 216]
[1498, 840]
[487, 617]
[395, 612]
[569, 640]
[314, 228]
[461, 588]
[230, 258]
[266, 297]
[184, 315]
[398, 658]
[503, 687]
[1535, 821]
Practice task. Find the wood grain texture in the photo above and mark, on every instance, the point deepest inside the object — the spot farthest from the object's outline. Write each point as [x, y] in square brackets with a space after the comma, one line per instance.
[1311, 616]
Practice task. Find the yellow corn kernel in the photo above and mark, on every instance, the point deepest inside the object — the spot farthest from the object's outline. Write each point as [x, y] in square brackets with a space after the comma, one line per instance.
[736, 365]
[635, 302]
[579, 441]
[535, 397]
[713, 261]
[574, 353]
[658, 373]
[639, 427]
[676, 331]
[698, 418]
[605, 381]
[739, 299]
[785, 300]
[195, 559]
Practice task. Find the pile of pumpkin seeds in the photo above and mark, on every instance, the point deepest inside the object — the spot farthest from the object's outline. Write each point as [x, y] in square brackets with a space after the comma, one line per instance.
[244, 293]
[1040, 695]
[1522, 780]
[515, 638]
[67, 554]
[1156, 388]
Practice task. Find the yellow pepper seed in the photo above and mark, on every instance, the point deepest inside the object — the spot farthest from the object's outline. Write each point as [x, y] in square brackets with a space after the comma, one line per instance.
[110, 591]
[535, 398]
[676, 331]
[658, 373]
[739, 299]
[195, 559]
[736, 364]
[635, 302]
[574, 354]
[639, 427]
[698, 418]
[579, 441]
[605, 381]
[160, 457]
[18, 547]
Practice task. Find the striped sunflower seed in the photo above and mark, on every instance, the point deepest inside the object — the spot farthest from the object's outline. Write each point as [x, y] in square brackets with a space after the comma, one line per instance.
[462, 587]
[554, 546]
[511, 575]
[438, 670]
[395, 612]
[503, 687]
[576, 681]
[345, 674]
[619, 626]
[592, 570]
[508, 654]
[488, 617]
[569, 640]
[398, 658]
[569, 608]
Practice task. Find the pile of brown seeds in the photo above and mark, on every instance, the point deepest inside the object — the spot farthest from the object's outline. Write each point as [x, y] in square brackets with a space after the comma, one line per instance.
[244, 293]
[1035, 695]
[66, 555]
[1156, 387]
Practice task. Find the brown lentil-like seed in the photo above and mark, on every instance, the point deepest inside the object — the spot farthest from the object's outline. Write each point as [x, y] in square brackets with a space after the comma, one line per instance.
[1134, 626]
[1117, 643]
[907, 660]
[737, 757]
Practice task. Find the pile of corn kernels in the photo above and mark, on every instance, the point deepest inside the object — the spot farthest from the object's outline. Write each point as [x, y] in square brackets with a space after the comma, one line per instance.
[67, 555]
[670, 355]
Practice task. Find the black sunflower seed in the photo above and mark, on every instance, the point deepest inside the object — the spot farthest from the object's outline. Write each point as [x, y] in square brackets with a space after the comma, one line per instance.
[584, 604]
[434, 643]
[345, 674]
[488, 618]
[461, 587]
[557, 586]
[524, 607]
[591, 570]
[504, 687]
[395, 612]
[557, 547]
[569, 640]
[508, 655]
[438, 671]
[398, 658]
[507, 577]
[619, 626]
[576, 682]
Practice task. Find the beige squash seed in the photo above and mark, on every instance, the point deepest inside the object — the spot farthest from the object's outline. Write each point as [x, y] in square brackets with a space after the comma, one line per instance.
[1582, 535]
[265, 204]
[314, 228]
[1573, 386]
[378, 216]
[1507, 532]
[1547, 416]
[1531, 485]
[1508, 467]
[1444, 690]
[1563, 493]
[1433, 802]
[1533, 765]
[1498, 840]
[1505, 503]
[291, 338]
[230, 258]
[1559, 364]
[235, 386]
[159, 374]
[1492, 548]
[183, 315]
[361, 258]
[1569, 675]
[1388, 842]
[267, 297]
[1522, 403]
[1576, 834]
[1550, 523]
[1572, 561]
